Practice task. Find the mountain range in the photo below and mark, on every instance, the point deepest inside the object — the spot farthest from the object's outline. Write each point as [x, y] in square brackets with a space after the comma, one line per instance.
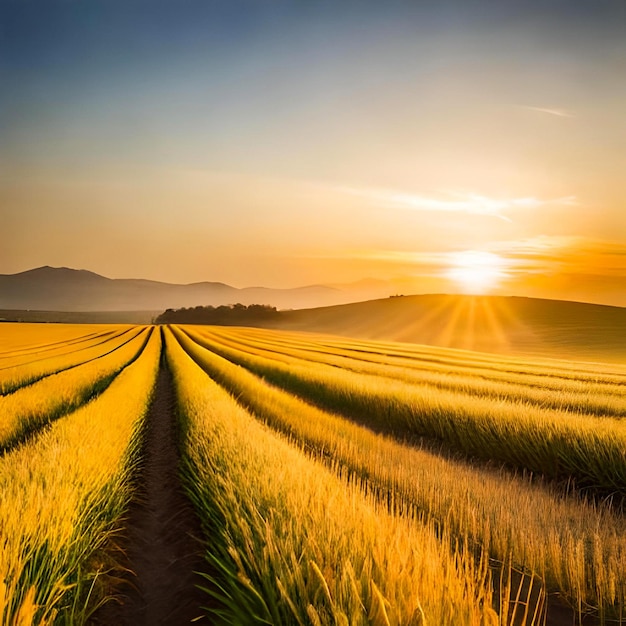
[65, 289]
[508, 324]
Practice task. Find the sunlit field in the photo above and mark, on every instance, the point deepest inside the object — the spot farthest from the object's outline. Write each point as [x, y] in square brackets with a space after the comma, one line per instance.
[336, 480]
[312, 313]
[70, 441]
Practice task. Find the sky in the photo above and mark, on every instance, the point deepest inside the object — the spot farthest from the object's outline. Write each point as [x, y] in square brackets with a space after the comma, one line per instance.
[466, 146]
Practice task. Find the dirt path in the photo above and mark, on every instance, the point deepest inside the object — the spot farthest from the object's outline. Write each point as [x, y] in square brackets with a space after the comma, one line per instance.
[162, 551]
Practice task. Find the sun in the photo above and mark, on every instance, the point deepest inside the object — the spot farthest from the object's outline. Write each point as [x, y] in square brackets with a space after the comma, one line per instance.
[475, 271]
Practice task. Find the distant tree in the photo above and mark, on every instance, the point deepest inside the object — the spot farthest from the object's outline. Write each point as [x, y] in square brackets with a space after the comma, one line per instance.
[224, 315]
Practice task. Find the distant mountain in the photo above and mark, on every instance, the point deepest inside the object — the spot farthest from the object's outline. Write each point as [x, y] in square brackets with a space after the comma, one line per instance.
[511, 325]
[64, 289]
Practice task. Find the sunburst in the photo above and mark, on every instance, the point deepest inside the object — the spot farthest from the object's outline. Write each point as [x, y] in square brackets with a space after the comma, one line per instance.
[475, 271]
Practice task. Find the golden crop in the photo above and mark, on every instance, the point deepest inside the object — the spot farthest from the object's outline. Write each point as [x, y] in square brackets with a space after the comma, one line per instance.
[555, 444]
[547, 391]
[301, 546]
[337, 481]
[62, 495]
[33, 405]
[20, 338]
[33, 367]
[579, 549]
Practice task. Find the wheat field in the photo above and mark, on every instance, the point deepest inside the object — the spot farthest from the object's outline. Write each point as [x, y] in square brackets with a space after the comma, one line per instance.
[336, 481]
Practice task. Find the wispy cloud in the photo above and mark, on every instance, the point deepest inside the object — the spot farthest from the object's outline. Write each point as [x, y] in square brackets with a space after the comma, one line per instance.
[576, 254]
[458, 201]
[439, 263]
[544, 254]
[550, 111]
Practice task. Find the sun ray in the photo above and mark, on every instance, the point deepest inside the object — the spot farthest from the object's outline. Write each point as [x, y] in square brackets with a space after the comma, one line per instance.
[476, 272]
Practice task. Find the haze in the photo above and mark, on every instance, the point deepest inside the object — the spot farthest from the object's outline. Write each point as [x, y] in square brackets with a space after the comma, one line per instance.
[459, 147]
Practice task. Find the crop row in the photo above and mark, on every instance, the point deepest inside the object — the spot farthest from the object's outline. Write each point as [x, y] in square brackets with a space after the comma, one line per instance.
[607, 402]
[311, 518]
[578, 549]
[20, 338]
[67, 489]
[565, 368]
[557, 376]
[14, 358]
[291, 543]
[16, 376]
[498, 366]
[31, 406]
[554, 444]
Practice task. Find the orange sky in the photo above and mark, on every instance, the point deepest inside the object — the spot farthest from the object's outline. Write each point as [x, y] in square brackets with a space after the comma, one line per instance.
[442, 150]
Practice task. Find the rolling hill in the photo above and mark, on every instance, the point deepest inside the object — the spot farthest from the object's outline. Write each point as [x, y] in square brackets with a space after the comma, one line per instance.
[487, 323]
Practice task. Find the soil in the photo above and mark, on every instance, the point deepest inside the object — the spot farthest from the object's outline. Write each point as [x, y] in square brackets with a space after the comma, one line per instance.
[561, 615]
[160, 540]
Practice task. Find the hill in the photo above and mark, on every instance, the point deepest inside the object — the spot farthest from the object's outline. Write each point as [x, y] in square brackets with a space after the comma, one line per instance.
[487, 323]
[65, 289]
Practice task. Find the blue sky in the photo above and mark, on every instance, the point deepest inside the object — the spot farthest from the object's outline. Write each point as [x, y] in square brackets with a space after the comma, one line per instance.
[266, 142]
[168, 80]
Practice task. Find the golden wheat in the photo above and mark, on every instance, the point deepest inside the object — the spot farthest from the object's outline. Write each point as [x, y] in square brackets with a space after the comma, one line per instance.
[556, 444]
[63, 493]
[298, 545]
[508, 516]
[16, 376]
[27, 337]
[575, 396]
[31, 406]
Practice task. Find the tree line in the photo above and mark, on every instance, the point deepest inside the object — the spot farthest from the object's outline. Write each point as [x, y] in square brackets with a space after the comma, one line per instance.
[224, 315]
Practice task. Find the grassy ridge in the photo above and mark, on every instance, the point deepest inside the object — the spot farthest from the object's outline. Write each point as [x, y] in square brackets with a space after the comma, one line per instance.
[510, 325]
[578, 549]
[295, 545]
[67, 489]
[554, 444]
